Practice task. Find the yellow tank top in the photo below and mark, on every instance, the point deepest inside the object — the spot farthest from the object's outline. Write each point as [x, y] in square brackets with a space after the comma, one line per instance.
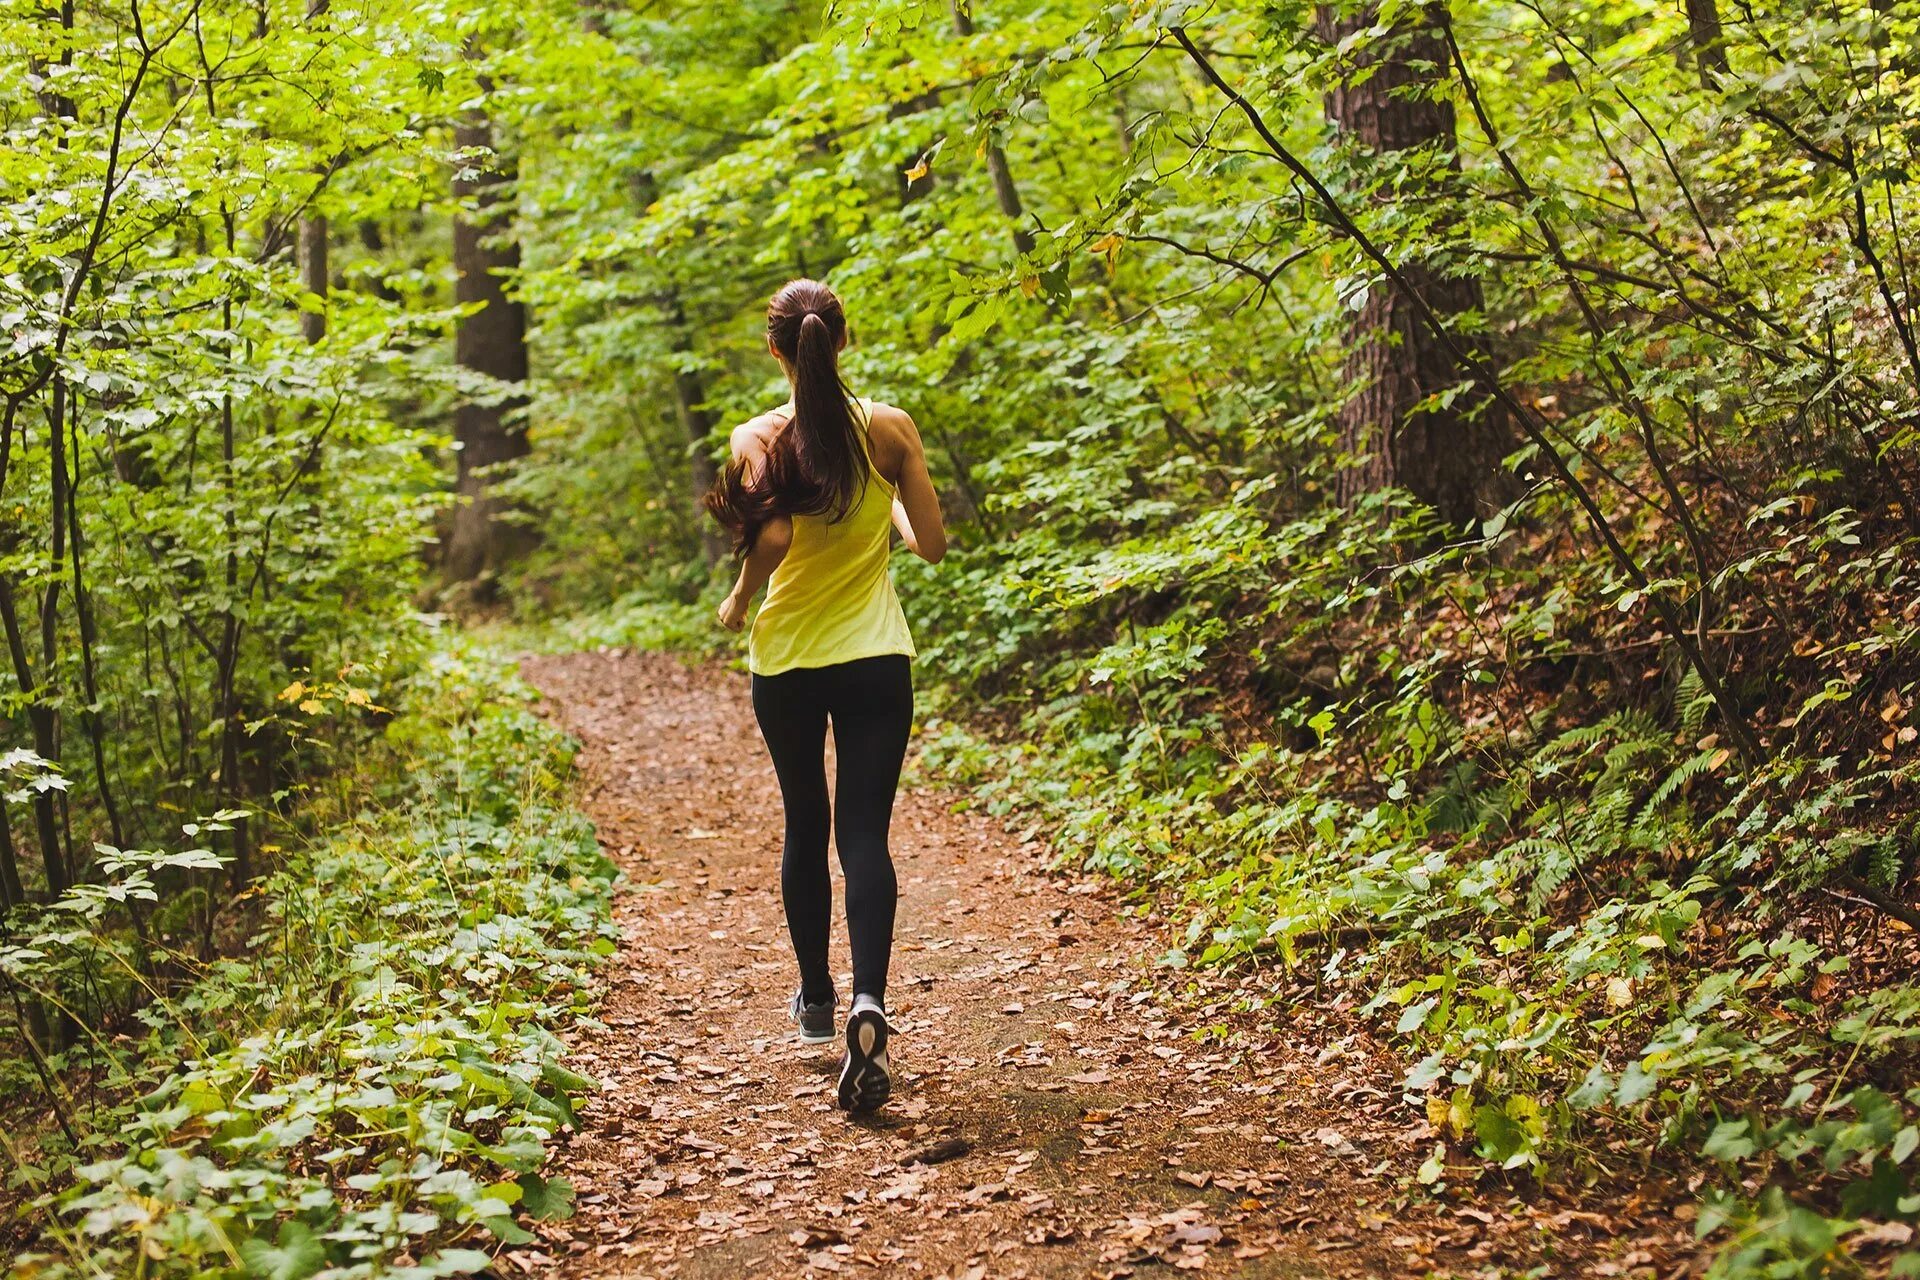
[831, 599]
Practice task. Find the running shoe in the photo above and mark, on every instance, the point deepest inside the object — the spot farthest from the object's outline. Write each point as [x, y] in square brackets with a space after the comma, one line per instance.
[814, 1020]
[866, 1080]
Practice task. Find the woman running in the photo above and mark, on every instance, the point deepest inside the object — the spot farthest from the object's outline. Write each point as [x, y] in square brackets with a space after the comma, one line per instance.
[812, 494]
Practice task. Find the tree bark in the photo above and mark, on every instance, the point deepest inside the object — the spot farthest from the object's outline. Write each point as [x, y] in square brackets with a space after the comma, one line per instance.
[697, 421]
[1709, 51]
[46, 817]
[313, 273]
[1005, 193]
[1449, 458]
[492, 341]
[313, 239]
[12, 892]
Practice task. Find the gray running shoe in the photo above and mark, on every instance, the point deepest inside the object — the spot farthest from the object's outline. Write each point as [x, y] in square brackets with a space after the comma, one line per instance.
[814, 1020]
[866, 1076]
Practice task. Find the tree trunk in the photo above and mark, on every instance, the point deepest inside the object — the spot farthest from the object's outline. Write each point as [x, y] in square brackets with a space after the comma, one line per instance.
[313, 238]
[697, 421]
[12, 892]
[1449, 458]
[1005, 193]
[493, 341]
[313, 273]
[1709, 51]
[46, 817]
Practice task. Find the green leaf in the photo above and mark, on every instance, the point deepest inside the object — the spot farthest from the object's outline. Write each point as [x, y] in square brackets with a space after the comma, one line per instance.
[1414, 1015]
[984, 315]
[453, 1262]
[1595, 1088]
[546, 1199]
[1729, 1141]
[298, 1254]
[1636, 1085]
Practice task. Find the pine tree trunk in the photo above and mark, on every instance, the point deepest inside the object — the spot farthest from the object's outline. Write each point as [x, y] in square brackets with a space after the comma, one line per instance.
[493, 341]
[1449, 458]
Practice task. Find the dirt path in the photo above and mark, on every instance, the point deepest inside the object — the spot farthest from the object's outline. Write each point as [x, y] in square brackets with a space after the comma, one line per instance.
[1050, 1119]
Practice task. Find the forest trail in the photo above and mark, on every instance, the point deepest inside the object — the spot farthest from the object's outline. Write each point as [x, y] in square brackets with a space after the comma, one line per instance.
[1050, 1118]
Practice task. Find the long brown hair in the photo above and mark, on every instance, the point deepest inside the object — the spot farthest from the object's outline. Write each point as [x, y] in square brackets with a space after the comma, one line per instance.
[817, 465]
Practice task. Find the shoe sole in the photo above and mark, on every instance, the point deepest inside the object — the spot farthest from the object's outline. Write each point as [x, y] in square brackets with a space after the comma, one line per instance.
[865, 1082]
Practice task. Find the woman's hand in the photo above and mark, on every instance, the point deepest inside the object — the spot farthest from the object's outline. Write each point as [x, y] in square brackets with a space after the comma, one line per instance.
[769, 548]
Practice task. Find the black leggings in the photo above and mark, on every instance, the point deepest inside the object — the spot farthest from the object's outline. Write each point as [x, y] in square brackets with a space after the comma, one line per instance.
[870, 702]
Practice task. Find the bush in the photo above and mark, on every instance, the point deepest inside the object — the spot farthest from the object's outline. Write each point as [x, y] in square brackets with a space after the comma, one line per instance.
[370, 1087]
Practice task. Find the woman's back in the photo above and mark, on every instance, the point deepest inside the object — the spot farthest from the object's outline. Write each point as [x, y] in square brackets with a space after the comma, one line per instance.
[831, 599]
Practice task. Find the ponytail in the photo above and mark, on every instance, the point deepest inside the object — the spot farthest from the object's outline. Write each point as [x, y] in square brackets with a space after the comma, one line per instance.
[818, 465]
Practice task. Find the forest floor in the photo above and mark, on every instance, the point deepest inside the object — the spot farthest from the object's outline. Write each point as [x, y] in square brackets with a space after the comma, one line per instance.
[1054, 1114]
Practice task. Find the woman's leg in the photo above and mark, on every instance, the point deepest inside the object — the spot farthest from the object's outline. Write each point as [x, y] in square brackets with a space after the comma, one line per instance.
[872, 705]
[793, 719]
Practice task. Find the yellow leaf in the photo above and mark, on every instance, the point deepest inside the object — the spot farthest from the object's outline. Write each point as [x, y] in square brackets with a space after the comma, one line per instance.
[918, 171]
[1030, 285]
[313, 706]
[297, 689]
[1108, 245]
[358, 697]
[1460, 1111]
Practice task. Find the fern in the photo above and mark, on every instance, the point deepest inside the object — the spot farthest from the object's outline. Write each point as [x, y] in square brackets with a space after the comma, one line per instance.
[1693, 702]
[1611, 817]
[1669, 787]
[1884, 865]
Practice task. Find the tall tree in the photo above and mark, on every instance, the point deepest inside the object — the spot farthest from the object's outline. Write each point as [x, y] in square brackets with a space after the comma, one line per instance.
[493, 341]
[1005, 192]
[1709, 50]
[1388, 100]
[313, 237]
[696, 419]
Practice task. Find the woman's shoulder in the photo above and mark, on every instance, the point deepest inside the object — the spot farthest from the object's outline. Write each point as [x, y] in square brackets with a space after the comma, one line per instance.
[887, 421]
[891, 438]
[757, 432]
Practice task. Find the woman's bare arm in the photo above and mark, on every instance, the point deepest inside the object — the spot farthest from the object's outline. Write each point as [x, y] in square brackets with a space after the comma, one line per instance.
[749, 445]
[769, 549]
[916, 504]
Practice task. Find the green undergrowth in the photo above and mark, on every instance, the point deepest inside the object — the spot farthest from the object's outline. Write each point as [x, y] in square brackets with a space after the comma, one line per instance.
[1589, 933]
[369, 1086]
[642, 621]
[1534, 1045]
